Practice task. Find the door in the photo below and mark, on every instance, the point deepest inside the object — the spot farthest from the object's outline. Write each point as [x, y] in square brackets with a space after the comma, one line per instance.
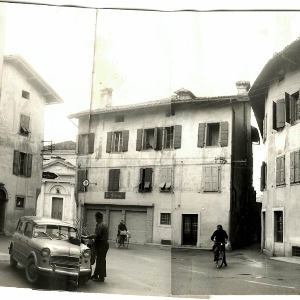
[2, 209]
[264, 230]
[189, 229]
[136, 223]
[57, 208]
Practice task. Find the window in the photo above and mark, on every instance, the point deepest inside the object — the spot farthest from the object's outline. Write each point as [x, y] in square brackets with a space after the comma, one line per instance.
[213, 134]
[86, 143]
[25, 95]
[114, 180]
[211, 178]
[165, 219]
[280, 170]
[278, 224]
[159, 138]
[24, 125]
[263, 176]
[165, 179]
[20, 202]
[119, 118]
[20, 227]
[22, 164]
[117, 141]
[28, 230]
[81, 176]
[145, 184]
[295, 166]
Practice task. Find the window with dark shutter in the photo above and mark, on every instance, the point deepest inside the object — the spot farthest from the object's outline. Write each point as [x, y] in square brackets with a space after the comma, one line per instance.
[114, 180]
[108, 143]
[224, 134]
[177, 136]
[125, 140]
[280, 113]
[145, 184]
[274, 116]
[159, 138]
[263, 176]
[287, 108]
[81, 176]
[201, 135]
[91, 142]
[139, 137]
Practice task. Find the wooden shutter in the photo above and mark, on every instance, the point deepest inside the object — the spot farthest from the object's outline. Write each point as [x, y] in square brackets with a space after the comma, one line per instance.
[177, 136]
[159, 138]
[113, 180]
[262, 176]
[155, 138]
[277, 170]
[287, 108]
[274, 116]
[292, 167]
[77, 146]
[280, 113]
[28, 165]
[297, 109]
[224, 134]
[296, 166]
[265, 127]
[139, 136]
[282, 170]
[201, 135]
[148, 177]
[125, 135]
[215, 178]
[16, 162]
[108, 142]
[207, 183]
[81, 176]
[91, 142]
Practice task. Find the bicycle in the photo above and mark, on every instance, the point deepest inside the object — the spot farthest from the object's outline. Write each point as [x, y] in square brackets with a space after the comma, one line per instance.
[123, 239]
[220, 255]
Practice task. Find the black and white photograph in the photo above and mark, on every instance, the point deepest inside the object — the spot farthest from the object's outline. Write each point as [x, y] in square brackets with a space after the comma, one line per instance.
[149, 149]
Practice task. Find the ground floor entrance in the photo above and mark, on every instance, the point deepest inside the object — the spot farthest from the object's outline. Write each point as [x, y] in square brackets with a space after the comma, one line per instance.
[189, 229]
[3, 200]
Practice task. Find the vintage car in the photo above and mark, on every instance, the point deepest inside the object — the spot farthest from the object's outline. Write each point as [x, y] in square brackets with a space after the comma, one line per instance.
[46, 246]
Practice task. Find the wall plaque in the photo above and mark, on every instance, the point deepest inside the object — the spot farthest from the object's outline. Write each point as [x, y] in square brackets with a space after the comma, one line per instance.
[114, 195]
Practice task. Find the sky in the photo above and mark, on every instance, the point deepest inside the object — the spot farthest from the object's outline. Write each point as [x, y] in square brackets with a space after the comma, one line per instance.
[145, 55]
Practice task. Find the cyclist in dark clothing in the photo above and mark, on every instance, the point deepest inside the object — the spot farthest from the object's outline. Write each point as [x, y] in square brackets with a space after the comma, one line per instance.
[219, 236]
[121, 227]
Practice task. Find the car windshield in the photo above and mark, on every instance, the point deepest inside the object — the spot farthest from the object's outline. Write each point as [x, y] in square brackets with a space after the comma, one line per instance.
[54, 231]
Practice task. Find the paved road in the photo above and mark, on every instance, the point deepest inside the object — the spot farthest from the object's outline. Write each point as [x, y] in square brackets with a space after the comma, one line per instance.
[248, 273]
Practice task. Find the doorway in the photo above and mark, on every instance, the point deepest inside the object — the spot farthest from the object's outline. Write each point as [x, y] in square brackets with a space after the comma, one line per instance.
[2, 209]
[57, 208]
[263, 230]
[189, 229]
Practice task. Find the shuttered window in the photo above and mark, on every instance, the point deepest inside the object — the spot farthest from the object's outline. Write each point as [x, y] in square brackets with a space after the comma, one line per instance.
[114, 180]
[280, 113]
[287, 108]
[145, 184]
[177, 136]
[263, 176]
[280, 170]
[165, 179]
[295, 166]
[86, 143]
[213, 134]
[117, 141]
[81, 176]
[22, 164]
[211, 178]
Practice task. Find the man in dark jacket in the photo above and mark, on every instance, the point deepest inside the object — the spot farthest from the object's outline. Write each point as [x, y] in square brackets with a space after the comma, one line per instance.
[219, 236]
[121, 227]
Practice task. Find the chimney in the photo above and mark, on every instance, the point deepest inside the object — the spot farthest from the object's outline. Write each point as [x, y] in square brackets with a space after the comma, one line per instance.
[242, 87]
[106, 97]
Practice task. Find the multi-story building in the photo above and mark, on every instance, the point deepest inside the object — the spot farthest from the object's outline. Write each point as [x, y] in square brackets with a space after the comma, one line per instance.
[172, 169]
[57, 197]
[275, 101]
[24, 95]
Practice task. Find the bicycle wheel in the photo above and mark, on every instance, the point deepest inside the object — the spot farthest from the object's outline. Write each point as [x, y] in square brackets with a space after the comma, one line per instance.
[118, 244]
[126, 242]
[220, 260]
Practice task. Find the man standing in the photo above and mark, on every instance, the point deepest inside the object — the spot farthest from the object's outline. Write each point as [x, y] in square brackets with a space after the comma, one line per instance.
[101, 245]
[121, 227]
[219, 236]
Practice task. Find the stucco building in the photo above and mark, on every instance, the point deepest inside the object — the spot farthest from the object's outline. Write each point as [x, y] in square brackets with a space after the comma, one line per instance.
[275, 101]
[24, 95]
[172, 169]
[57, 197]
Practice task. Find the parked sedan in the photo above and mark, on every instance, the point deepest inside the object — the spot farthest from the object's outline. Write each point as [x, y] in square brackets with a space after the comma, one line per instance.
[49, 247]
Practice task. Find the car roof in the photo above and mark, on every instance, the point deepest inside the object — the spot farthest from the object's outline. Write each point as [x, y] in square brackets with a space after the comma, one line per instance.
[43, 220]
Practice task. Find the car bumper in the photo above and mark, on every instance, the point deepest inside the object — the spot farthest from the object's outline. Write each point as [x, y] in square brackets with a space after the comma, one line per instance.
[60, 271]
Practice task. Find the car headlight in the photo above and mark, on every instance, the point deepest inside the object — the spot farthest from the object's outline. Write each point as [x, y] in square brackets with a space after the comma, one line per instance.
[86, 253]
[45, 252]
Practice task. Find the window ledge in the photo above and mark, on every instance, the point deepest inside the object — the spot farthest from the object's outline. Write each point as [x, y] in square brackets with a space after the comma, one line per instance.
[281, 186]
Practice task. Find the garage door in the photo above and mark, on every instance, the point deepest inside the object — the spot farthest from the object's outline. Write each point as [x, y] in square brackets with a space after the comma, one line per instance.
[136, 223]
[115, 216]
[90, 222]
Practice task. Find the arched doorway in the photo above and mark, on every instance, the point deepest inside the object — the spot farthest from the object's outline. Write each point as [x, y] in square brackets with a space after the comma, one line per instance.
[3, 200]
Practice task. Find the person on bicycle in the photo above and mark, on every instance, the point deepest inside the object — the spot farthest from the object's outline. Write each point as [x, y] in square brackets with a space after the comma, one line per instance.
[219, 236]
[121, 227]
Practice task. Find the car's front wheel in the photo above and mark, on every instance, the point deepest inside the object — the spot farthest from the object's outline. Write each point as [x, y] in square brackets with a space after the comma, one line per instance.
[13, 263]
[32, 273]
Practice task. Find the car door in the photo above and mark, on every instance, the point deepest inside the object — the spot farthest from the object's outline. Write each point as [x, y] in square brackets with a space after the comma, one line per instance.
[17, 240]
[25, 240]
